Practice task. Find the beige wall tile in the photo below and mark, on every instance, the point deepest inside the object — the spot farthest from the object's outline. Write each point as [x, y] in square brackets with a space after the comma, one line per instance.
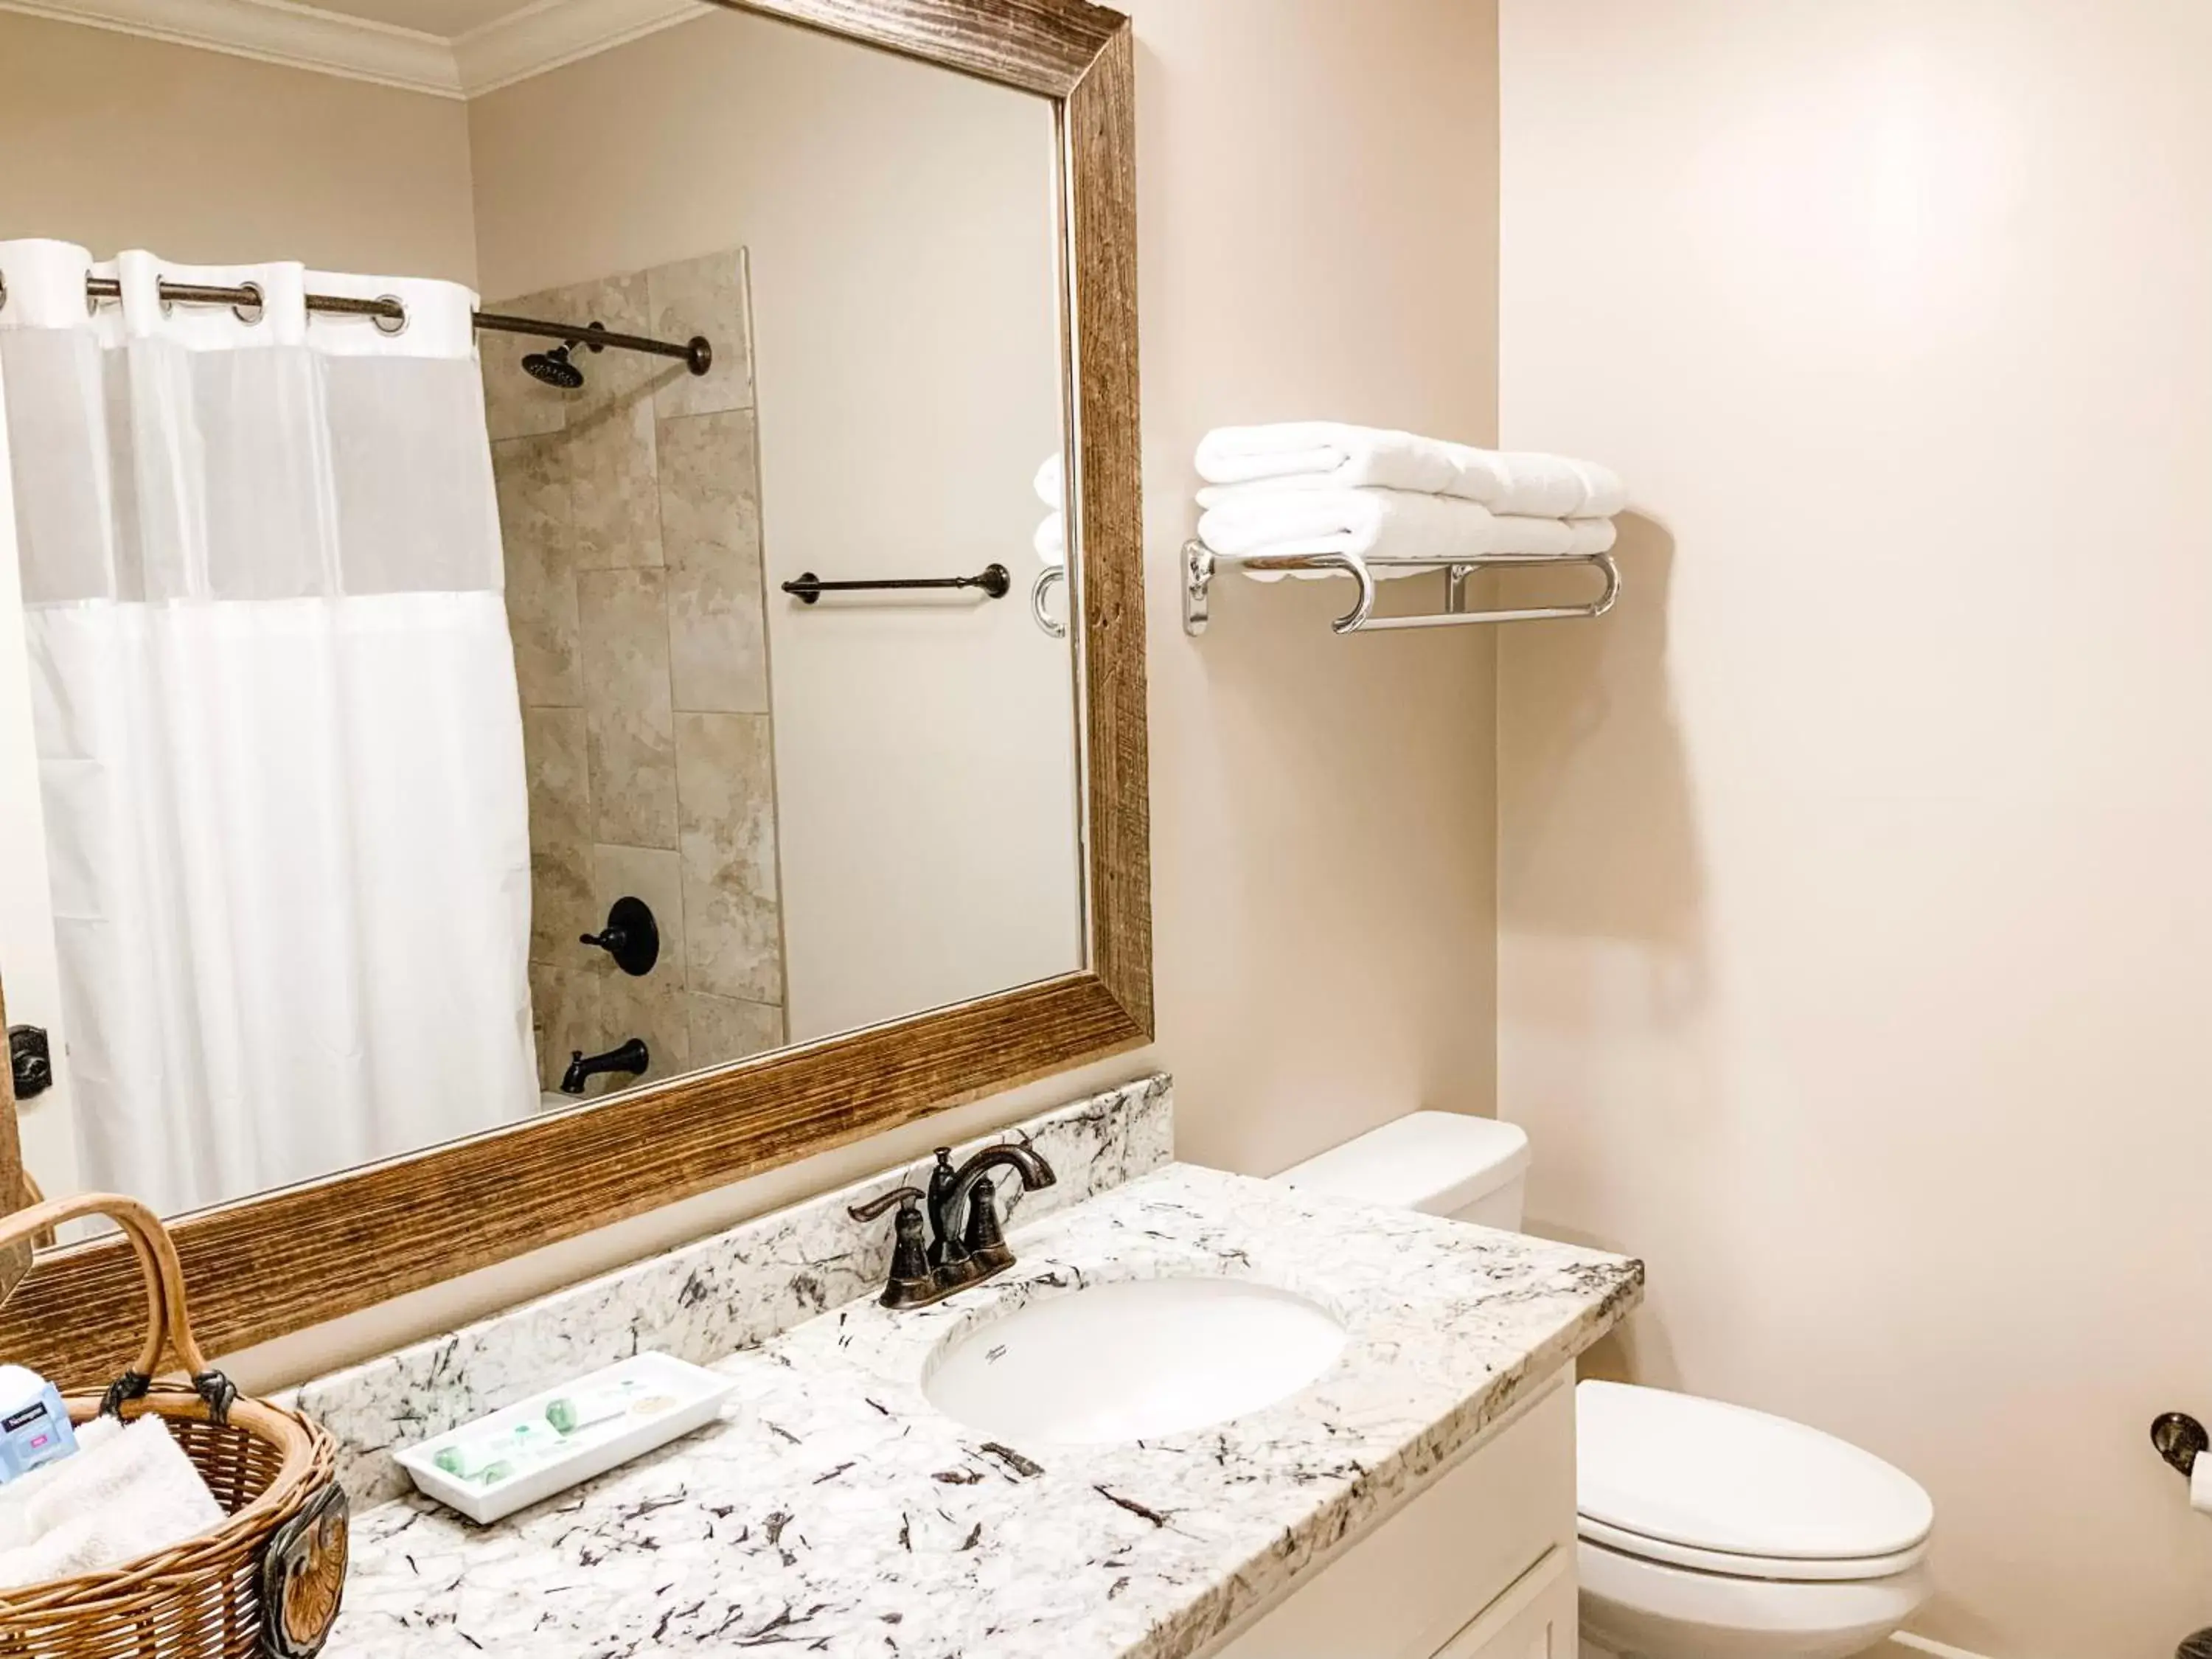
[536, 537]
[613, 484]
[705, 296]
[611, 429]
[656, 876]
[628, 716]
[577, 1010]
[608, 647]
[711, 534]
[564, 1009]
[731, 919]
[641, 1008]
[517, 405]
[624, 304]
[724, 1029]
[735, 939]
[560, 893]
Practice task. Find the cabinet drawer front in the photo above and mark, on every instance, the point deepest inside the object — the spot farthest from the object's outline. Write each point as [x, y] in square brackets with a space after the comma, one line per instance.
[1534, 1619]
[1403, 1589]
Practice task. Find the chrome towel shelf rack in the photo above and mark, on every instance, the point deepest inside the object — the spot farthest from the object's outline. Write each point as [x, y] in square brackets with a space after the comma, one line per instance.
[1201, 564]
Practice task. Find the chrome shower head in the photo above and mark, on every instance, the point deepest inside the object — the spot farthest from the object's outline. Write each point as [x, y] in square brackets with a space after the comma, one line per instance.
[554, 368]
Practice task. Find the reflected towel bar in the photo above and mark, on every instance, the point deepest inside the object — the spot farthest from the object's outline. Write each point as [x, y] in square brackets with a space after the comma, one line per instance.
[1201, 564]
[389, 313]
[995, 582]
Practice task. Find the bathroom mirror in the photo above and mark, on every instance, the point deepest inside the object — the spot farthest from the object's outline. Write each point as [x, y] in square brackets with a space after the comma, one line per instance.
[570, 632]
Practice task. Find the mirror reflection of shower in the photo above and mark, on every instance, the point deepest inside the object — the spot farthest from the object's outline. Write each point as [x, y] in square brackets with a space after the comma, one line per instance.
[590, 647]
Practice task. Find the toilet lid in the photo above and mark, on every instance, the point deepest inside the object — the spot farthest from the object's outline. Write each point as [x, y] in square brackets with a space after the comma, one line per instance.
[1713, 1477]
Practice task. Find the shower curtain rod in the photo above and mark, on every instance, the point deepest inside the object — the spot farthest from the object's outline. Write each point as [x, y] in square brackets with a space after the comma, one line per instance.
[697, 353]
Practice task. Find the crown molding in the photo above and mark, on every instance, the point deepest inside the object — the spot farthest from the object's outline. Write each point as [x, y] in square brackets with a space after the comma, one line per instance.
[539, 37]
[552, 33]
[274, 32]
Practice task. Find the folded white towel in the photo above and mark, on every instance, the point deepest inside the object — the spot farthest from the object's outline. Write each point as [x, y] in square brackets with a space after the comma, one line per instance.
[1327, 454]
[1392, 524]
[1051, 539]
[1051, 483]
[70, 1551]
[15, 1529]
[1583, 538]
[128, 1494]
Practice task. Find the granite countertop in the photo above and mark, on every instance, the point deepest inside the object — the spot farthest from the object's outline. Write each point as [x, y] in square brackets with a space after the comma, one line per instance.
[835, 1511]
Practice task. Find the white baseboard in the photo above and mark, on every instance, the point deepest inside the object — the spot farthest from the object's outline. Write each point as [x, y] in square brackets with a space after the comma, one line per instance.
[1903, 1643]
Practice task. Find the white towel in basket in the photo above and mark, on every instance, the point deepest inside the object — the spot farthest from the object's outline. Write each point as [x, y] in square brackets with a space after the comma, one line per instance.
[124, 1495]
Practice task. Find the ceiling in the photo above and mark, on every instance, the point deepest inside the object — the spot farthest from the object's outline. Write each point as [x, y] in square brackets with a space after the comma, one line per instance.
[447, 19]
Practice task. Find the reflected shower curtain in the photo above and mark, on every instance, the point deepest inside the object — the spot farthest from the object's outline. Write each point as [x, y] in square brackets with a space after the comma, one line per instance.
[280, 743]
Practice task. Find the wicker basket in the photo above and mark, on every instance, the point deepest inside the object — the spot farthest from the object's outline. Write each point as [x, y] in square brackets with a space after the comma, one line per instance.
[266, 1582]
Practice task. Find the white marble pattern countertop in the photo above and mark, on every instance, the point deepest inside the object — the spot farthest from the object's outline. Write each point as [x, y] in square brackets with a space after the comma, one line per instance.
[835, 1511]
[708, 1299]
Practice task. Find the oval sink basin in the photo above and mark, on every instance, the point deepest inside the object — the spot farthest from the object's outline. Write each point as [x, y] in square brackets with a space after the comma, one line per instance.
[1133, 1359]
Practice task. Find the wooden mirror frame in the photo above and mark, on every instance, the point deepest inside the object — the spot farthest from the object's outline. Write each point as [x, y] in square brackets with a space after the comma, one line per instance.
[264, 1267]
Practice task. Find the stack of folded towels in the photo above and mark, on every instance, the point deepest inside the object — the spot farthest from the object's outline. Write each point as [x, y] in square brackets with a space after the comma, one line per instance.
[1321, 487]
[1051, 485]
[125, 1492]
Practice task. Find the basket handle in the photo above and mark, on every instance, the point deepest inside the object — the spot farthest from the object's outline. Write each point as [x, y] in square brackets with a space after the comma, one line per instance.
[158, 1267]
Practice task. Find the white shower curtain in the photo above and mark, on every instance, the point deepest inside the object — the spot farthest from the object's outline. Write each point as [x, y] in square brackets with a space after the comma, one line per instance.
[280, 743]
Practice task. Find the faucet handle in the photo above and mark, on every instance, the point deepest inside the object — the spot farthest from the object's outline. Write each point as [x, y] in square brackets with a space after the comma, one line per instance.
[982, 1230]
[911, 1283]
[983, 1241]
[898, 1197]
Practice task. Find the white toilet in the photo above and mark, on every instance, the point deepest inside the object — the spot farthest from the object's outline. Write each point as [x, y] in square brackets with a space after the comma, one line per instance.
[1707, 1531]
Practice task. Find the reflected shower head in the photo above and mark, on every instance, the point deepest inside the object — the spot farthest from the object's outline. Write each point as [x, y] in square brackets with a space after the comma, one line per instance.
[558, 368]
[554, 368]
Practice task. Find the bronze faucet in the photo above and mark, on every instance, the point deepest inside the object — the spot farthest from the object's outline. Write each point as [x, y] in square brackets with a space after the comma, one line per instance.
[966, 1246]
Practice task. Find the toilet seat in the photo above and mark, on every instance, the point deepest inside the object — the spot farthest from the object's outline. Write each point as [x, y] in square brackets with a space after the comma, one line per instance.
[1727, 1565]
[1634, 1606]
[1718, 1489]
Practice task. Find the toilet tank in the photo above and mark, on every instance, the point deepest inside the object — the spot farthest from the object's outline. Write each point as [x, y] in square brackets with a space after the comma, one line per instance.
[1471, 1168]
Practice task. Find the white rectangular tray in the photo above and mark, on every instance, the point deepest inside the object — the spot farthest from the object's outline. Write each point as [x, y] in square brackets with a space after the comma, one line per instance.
[696, 1395]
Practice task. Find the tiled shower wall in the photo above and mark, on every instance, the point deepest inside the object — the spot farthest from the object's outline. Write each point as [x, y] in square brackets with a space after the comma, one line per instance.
[630, 512]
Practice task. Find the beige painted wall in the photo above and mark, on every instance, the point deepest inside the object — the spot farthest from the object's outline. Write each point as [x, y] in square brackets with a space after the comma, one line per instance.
[115, 141]
[1322, 808]
[1853, 907]
[1316, 186]
[901, 229]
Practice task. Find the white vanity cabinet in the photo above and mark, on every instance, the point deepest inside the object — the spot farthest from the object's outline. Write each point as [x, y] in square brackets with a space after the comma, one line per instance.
[1480, 1565]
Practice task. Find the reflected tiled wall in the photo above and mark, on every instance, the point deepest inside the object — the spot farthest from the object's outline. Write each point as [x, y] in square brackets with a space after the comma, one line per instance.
[631, 510]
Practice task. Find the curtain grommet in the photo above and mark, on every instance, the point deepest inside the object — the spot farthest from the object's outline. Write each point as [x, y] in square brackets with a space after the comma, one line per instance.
[161, 294]
[254, 310]
[389, 324]
[3, 290]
